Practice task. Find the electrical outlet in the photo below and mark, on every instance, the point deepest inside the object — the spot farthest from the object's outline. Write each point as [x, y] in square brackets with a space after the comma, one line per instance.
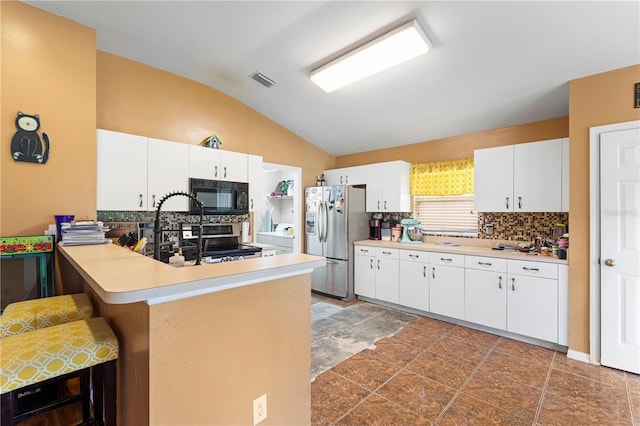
[488, 228]
[259, 409]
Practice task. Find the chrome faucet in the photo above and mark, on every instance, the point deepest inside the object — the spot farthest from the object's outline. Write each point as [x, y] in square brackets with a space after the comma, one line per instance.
[156, 226]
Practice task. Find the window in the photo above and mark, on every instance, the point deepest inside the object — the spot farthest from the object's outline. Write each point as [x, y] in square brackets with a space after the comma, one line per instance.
[446, 214]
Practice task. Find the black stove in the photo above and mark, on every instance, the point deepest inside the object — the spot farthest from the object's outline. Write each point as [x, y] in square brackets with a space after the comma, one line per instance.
[219, 241]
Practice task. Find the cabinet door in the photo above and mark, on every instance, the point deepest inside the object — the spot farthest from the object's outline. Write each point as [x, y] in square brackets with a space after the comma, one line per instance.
[374, 187]
[167, 171]
[355, 175]
[254, 176]
[446, 291]
[204, 163]
[121, 171]
[493, 179]
[387, 279]
[485, 298]
[332, 177]
[563, 305]
[537, 176]
[233, 166]
[395, 187]
[414, 285]
[532, 307]
[365, 276]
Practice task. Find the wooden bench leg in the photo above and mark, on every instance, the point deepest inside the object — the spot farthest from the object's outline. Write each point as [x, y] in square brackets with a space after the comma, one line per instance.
[85, 394]
[110, 393]
[7, 404]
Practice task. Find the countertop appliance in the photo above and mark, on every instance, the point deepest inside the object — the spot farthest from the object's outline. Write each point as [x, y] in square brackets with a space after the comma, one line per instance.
[219, 241]
[374, 229]
[219, 197]
[335, 217]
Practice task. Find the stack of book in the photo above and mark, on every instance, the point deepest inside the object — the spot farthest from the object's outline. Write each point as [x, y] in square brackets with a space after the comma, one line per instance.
[83, 233]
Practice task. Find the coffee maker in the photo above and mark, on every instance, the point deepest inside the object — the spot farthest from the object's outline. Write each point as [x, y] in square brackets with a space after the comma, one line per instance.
[375, 226]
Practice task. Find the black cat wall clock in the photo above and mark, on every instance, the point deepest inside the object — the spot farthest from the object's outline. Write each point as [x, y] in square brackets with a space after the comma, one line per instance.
[26, 144]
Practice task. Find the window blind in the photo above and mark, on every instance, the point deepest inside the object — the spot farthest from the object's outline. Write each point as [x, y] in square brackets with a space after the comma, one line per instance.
[446, 214]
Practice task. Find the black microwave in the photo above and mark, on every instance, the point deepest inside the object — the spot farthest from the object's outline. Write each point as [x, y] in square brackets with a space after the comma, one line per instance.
[219, 197]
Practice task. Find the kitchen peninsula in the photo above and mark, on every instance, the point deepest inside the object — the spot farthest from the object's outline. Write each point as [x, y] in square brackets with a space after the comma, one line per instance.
[199, 344]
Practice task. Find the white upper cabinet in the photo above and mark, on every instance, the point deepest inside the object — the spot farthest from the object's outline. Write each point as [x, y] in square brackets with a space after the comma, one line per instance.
[355, 175]
[254, 177]
[167, 171]
[519, 178]
[122, 171]
[215, 164]
[388, 187]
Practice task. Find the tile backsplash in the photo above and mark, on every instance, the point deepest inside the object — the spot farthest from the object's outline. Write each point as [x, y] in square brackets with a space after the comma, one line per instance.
[173, 219]
[520, 226]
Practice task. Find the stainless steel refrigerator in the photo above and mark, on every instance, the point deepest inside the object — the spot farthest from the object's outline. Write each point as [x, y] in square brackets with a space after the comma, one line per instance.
[335, 217]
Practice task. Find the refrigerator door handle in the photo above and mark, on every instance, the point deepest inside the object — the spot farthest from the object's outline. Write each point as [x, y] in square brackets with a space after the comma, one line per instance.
[319, 221]
[325, 220]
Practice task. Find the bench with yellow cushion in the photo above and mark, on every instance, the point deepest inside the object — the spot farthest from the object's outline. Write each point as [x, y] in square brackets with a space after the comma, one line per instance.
[34, 314]
[86, 348]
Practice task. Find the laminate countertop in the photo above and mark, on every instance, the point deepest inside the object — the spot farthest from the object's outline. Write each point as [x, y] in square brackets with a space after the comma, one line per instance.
[121, 276]
[472, 250]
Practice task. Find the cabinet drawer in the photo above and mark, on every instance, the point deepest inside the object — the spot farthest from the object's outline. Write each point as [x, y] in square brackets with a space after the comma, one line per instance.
[386, 253]
[533, 269]
[364, 251]
[446, 259]
[414, 256]
[485, 263]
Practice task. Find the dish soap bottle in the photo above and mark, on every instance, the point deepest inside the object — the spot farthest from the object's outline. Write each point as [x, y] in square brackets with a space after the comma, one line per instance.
[177, 259]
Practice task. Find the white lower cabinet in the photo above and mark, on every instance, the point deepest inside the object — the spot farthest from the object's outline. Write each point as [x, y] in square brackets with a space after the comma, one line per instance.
[486, 298]
[387, 275]
[414, 279]
[364, 271]
[446, 286]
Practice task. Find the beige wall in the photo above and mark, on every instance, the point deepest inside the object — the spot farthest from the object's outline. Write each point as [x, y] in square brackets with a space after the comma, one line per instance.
[593, 101]
[135, 98]
[48, 68]
[462, 146]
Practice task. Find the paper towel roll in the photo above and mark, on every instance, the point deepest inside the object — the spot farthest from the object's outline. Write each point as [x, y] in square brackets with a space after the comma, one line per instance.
[245, 232]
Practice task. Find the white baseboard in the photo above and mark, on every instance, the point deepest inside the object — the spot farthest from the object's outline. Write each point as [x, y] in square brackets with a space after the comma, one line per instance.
[579, 356]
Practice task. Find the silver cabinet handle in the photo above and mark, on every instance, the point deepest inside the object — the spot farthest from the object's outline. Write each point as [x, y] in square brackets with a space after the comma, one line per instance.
[371, 263]
[414, 256]
[140, 197]
[378, 263]
[385, 204]
[519, 202]
[446, 259]
[424, 271]
[513, 284]
[252, 204]
[507, 198]
[346, 179]
[364, 251]
[378, 205]
[225, 171]
[610, 262]
[484, 263]
[530, 269]
[215, 171]
[386, 253]
[153, 197]
[340, 180]
[433, 273]
[500, 282]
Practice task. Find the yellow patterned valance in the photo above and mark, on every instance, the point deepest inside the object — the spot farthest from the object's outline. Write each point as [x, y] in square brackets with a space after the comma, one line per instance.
[453, 177]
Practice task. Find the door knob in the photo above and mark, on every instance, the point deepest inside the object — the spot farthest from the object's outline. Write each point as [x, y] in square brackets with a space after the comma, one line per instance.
[610, 262]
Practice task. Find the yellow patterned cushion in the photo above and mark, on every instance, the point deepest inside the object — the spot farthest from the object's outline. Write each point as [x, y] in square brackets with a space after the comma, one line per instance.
[30, 315]
[39, 355]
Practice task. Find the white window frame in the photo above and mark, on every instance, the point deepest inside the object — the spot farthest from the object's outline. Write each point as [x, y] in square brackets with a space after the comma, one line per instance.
[445, 214]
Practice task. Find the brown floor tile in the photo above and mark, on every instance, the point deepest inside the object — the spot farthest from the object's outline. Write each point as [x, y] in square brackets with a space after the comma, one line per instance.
[376, 410]
[563, 411]
[315, 298]
[469, 411]
[516, 369]
[441, 369]
[394, 352]
[317, 420]
[367, 371]
[433, 324]
[584, 392]
[458, 349]
[525, 351]
[633, 387]
[633, 381]
[476, 337]
[500, 391]
[418, 394]
[332, 396]
[591, 371]
[421, 337]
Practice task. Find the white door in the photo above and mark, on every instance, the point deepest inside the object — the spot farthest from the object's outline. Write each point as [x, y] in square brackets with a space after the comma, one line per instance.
[620, 249]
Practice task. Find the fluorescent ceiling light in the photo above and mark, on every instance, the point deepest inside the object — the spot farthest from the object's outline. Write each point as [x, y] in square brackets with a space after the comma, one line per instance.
[392, 48]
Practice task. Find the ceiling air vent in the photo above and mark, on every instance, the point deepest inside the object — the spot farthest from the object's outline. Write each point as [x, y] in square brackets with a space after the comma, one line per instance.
[263, 79]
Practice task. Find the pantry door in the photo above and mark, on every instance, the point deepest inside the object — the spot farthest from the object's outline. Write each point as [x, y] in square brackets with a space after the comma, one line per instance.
[620, 249]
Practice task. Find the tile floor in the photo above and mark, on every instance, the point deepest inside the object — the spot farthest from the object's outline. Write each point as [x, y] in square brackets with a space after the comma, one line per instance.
[432, 372]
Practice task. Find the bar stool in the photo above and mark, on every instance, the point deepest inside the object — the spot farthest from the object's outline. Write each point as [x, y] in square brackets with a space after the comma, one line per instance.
[29, 315]
[87, 349]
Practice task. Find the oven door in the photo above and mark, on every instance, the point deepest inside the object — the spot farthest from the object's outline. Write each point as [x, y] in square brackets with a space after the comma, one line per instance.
[218, 197]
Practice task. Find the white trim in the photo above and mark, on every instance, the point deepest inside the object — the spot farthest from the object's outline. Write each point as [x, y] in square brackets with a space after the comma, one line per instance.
[297, 201]
[578, 356]
[594, 231]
